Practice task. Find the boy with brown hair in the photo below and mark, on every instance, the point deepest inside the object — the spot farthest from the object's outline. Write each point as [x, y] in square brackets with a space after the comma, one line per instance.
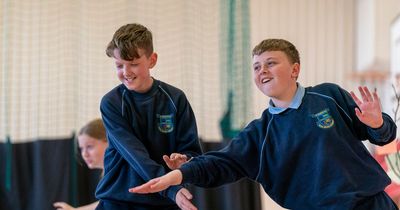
[145, 118]
[306, 150]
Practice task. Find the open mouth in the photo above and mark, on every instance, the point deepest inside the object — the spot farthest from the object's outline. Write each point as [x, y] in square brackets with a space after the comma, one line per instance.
[129, 79]
[266, 80]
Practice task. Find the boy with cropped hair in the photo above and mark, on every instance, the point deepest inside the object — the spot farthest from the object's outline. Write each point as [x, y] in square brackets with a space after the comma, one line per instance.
[306, 149]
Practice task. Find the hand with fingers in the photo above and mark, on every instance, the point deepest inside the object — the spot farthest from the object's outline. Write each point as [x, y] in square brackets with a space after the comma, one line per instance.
[369, 109]
[62, 206]
[183, 198]
[175, 160]
[160, 183]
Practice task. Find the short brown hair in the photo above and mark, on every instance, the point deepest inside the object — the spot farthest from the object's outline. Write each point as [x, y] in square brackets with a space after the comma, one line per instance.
[128, 39]
[94, 129]
[278, 45]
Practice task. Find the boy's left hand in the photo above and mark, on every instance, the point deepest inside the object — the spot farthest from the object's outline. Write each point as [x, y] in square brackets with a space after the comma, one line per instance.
[159, 184]
[175, 160]
[369, 109]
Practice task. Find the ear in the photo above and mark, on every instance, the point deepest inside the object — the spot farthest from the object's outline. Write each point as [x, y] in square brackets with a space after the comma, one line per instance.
[295, 70]
[153, 59]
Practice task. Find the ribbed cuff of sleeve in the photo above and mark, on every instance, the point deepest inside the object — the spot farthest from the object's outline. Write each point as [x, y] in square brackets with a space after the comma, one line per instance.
[379, 132]
[187, 174]
[384, 134]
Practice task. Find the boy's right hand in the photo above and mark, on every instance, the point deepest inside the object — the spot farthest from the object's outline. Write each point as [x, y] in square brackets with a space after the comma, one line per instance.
[175, 160]
[183, 198]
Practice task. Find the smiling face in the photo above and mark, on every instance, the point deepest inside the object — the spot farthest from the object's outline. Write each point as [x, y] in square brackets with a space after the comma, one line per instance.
[92, 151]
[135, 74]
[276, 76]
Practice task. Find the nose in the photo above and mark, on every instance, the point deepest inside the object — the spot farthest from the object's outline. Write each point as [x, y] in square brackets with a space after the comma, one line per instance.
[265, 67]
[263, 70]
[127, 72]
[84, 153]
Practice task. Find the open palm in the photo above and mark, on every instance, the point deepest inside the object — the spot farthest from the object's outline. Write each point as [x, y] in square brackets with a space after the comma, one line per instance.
[369, 109]
[159, 184]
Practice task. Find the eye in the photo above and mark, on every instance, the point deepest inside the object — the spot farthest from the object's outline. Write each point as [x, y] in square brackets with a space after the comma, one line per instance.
[256, 68]
[120, 66]
[271, 63]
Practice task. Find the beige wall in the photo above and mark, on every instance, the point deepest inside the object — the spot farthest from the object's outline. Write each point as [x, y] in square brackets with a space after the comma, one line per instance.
[323, 32]
[386, 12]
[374, 19]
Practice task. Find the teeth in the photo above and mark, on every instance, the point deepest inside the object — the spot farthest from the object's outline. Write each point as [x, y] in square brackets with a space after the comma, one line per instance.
[265, 80]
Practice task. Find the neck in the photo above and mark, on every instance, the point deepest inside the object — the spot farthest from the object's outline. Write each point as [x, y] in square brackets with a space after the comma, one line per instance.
[284, 101]
[147, 86]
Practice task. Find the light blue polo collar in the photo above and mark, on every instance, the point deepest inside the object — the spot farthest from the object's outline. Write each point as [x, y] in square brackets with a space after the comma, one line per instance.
[296, 102]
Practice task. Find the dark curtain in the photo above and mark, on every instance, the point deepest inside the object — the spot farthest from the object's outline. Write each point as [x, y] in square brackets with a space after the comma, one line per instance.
[34, 175]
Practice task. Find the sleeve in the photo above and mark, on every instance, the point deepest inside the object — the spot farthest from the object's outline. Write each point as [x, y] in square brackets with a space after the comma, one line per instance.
[385, 134]
[239, 159]
[122, 137]
[186, 130]
[380, 136]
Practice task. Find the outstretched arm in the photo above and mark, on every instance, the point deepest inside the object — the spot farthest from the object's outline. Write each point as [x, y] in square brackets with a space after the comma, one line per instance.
[369, 110]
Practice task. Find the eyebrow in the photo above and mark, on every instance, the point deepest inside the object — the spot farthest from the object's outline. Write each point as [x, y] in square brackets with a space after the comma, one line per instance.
[268, 59]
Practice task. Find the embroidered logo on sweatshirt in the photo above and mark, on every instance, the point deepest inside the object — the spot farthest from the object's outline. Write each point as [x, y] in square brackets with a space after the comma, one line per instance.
[324, 119]
[165, 123]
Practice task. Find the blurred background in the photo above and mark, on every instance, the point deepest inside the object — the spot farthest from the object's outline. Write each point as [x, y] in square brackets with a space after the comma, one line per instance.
[54, 71]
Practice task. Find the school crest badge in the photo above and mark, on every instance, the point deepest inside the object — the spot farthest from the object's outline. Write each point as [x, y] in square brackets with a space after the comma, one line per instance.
[165, 123]
[324, 119]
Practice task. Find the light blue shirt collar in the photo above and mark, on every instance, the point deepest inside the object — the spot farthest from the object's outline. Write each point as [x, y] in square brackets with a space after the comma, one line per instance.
[296, 102]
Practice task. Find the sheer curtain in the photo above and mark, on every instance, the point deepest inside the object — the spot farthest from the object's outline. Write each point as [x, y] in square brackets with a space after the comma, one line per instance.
[54, 70]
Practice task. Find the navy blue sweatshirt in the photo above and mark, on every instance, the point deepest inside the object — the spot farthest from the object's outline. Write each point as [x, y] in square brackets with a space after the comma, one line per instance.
[141, 128]
[308, 156]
